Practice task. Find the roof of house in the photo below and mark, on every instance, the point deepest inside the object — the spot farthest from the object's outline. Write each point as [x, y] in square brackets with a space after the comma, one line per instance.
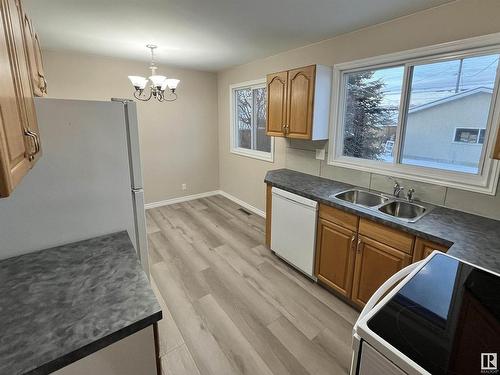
[450, 98]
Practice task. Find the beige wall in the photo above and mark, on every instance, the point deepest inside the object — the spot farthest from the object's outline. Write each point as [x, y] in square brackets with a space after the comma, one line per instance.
[178, 140]
[242, 177]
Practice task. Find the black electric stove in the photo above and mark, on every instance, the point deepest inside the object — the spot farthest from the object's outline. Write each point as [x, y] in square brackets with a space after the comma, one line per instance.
[446, 318]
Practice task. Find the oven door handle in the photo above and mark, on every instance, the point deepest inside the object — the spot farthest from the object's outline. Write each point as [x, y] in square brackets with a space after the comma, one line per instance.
[384, 288]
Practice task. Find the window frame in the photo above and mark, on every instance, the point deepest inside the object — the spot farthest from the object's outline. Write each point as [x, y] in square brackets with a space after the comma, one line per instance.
[485, 182]
[477, 143]
[234, 149]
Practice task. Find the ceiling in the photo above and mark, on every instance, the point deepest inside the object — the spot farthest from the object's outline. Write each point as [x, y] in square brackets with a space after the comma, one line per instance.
[205, 34]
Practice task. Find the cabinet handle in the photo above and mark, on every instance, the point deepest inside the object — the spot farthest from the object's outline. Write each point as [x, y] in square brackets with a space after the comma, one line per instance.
[28, 133]
[352, 241]
[36, 143]
[358, 247]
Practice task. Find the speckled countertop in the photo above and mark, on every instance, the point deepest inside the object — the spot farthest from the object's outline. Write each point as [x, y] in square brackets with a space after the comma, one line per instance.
[472, 238]
[62, 304]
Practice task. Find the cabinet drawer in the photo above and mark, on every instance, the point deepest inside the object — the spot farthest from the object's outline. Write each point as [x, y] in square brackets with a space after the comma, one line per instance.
[339, 217]
[389, 236]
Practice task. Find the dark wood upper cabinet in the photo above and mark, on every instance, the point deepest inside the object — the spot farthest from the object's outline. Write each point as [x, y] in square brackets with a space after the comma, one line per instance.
[301, 100]
[298, 103]
[277, 84]
[20, 146]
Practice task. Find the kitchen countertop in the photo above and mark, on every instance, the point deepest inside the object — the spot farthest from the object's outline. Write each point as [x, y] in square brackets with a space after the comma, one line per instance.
[473, 238]
[62, 304]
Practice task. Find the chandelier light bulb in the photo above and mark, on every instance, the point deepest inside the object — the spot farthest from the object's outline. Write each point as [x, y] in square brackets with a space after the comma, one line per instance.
[172, 83]
[157, 80]
[138, 82]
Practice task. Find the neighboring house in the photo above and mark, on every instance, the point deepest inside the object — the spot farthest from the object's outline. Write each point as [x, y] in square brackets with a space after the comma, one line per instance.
[449, 130]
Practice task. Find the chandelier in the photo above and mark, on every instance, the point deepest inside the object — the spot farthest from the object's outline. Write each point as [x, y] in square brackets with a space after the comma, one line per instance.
[161, 88]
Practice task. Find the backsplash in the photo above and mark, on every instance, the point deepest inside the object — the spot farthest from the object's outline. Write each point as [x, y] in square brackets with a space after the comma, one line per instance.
[301, 156]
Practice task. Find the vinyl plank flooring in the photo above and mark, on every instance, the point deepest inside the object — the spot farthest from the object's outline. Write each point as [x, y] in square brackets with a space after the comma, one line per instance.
[233, 307]
[234, 212]
[335, 304]
[170, 337]
[154, 256]
[336, 346]
[189, 277]
[293, 311]
[197, 204]
[206, 352]
[316, 308]
[231, 340]
[179, 362]
[274, 354]
[226, 234]
[239, 289]
[312, 356]
[151, 226]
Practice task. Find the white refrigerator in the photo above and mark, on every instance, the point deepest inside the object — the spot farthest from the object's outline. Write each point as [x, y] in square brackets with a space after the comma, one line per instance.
[87, 183]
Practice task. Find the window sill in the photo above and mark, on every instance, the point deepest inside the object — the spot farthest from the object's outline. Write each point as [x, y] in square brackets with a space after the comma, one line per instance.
[259, 155]
[473, 183]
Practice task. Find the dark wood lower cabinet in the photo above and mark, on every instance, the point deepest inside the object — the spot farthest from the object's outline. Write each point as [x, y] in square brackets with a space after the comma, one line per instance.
[424, 248]
[375, 263]
[335, 256]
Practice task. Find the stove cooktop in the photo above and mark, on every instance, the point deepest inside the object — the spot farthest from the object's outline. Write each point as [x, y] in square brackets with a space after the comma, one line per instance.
[446, 318]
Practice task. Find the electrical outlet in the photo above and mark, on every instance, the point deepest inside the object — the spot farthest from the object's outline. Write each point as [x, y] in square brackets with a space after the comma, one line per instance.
[320, 154]
[184, 186]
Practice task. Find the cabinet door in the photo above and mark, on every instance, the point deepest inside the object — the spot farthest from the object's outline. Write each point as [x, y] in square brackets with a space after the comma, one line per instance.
[375, 263]
[335, 256]
[300, 102]
[276, 104]
[15, 145]
[22, 77]
[424, 248]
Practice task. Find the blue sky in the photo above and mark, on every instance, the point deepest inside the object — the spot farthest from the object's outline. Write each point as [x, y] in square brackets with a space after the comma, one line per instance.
[435, 81]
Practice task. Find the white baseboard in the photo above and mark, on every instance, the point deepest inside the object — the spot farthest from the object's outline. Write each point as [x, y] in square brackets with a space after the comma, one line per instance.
[186, 198]
[243, 204]
[180, 199]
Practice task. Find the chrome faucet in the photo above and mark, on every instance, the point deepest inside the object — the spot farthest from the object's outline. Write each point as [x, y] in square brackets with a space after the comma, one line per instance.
[397, 189]
[409, 195]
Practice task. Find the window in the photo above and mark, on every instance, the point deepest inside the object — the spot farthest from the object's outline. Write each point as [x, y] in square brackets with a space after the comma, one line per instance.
[410, 115]
[371, 113]
[248, 121]
[469, 135]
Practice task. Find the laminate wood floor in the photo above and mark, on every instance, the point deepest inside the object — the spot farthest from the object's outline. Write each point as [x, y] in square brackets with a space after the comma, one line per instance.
[230, 306]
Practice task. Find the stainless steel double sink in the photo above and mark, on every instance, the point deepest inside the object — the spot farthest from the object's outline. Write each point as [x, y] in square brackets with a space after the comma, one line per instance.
[391, 206]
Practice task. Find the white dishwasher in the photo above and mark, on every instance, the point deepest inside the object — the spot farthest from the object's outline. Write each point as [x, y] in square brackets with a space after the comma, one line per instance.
[293, 229]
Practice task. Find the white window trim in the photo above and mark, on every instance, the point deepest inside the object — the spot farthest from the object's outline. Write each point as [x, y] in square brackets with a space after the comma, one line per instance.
[485, 183]
[234, 149]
